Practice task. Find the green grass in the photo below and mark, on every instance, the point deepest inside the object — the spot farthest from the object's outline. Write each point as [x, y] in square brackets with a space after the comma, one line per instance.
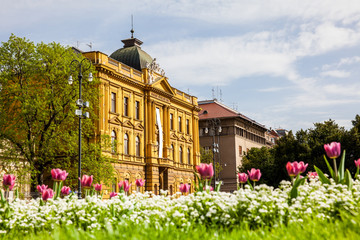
[345, 228]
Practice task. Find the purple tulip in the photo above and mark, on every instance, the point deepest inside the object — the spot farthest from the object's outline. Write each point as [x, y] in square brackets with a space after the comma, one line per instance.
[206, 171]
[124, 185]
[243, 177]
[58, 175]
[139, 182]
[113, 194]
[65, 190]
[41, 188]
[47, 193]
[333, 150]
[9, 181]
[254, 174]
[98, 187]
[86, 181]
[184, 188]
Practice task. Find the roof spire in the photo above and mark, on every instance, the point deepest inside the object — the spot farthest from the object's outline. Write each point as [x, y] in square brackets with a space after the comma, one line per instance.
[132, 26]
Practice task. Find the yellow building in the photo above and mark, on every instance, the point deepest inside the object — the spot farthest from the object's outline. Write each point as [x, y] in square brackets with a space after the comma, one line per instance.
[153, 126]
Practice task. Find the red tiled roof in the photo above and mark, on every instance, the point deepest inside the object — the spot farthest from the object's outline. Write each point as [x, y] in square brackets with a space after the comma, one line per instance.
[213, 109]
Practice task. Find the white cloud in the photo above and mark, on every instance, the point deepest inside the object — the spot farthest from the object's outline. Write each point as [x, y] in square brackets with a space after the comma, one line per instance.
[336, 74]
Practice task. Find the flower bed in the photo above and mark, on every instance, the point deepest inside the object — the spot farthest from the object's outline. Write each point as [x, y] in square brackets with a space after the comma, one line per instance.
[262, 206]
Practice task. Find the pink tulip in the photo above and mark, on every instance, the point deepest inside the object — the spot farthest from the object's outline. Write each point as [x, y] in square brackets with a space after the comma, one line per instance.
[184, 188]
[357, 163]
[124, 185]
[47, 193]
[86, 181]
[243, 177]
[9, 181]
[113, 194]
[254, 174]
[295, 168]
[139, 182]
[333, 150]
[208, 187]
[312, 175]
[65, 190]
[206, 171]
[58, 174]
[98, 187]
[41, 188]
[302, 166]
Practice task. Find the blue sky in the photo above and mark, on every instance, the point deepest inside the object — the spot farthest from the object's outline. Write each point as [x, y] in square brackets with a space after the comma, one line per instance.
[283, 63]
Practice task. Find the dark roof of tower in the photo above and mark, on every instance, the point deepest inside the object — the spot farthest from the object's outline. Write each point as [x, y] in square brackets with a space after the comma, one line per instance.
[132, 54]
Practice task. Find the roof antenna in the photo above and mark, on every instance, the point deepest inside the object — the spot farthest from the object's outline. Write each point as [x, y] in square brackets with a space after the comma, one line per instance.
[90, 46]
[132, 26]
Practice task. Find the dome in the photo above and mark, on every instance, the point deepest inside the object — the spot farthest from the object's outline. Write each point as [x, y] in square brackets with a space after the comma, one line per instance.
[132, 54]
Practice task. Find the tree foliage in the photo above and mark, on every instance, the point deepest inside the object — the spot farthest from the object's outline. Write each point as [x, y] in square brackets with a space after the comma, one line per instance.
[37, 121]
[307, 146]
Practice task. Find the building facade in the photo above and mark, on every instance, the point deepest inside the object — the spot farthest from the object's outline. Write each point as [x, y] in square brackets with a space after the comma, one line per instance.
[229, 135]
[153, 127]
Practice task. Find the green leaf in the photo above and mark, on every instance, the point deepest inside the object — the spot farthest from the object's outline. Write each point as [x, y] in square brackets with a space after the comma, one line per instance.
[2, 196]
[329, 167]
[348, 179]
[341, 167]
[294, 190]
[321, 175]
[199, 182]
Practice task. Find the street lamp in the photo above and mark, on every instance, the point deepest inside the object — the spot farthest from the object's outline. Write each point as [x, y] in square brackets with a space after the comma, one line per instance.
[216, 129]
[80, 66]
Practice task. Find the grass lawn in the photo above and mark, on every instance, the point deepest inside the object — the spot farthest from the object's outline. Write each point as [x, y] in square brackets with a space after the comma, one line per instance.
[345, 228]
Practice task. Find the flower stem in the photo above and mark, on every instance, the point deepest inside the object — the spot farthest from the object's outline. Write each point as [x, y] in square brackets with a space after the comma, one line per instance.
[335, 170]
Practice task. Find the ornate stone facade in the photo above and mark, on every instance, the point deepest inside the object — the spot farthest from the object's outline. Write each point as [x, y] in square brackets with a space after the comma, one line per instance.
[153, 126]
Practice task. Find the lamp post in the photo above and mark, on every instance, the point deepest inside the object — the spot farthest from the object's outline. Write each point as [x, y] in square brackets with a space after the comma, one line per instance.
[215, 127]
[80, 66]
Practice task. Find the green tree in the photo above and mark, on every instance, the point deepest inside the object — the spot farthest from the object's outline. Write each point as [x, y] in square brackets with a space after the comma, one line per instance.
[37, 121]
[263, 159]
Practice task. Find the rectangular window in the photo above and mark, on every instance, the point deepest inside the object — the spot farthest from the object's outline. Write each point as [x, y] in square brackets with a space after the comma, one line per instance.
[187, 126]
[240, 151]
[113, 102]
[171, 121]
[179, 124]
[137, 110]
[126, 103]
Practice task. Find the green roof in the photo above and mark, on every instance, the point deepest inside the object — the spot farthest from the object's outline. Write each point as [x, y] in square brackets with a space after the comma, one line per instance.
[132, 54]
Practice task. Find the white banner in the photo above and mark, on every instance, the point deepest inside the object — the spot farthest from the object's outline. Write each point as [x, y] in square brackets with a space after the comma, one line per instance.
[158, 122]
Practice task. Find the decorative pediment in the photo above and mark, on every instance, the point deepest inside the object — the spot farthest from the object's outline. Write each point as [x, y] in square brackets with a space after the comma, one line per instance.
[139, 126]
[128, 124]
[115, 120]
[173, 136]
[162, 84]
[182, 138]
[190, 139]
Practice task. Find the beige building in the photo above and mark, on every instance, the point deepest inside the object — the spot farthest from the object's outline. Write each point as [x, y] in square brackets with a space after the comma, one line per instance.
[153, 126]
[229, 134]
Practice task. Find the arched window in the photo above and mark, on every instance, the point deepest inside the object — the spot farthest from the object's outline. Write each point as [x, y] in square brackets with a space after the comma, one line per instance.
[180, 155]
[137, 146]
[113, 141]
[188, 155]
[126, 144]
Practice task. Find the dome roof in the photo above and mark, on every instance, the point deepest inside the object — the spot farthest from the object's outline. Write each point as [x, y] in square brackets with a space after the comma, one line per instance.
[132, 54]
